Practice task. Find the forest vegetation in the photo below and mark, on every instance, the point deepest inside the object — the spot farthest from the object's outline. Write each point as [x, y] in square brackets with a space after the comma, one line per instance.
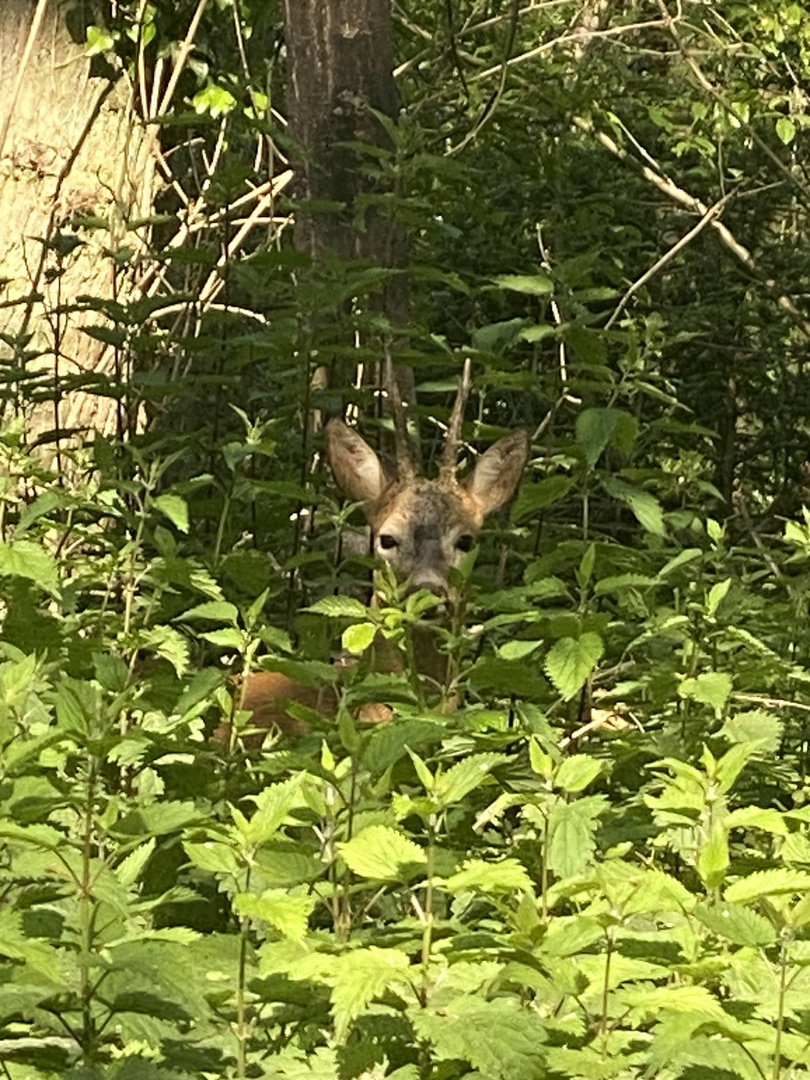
[597, 866]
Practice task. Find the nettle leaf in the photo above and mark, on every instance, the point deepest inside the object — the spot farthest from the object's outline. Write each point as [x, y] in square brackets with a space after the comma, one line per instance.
[571, 660]
[34, 953]
[534, 497]
[505, 876]
[211, 855]
[338, 607]
[711, 688]
[175, 508]
[766, 818]
[130, 869]
[517, 650]
[286, 910]
[739, 925]
[572, 827]
[383, 854]
[359, 637]
[568, 935]
[273, 805]
[23, 558]
[576, 772]
[169, 643]
[499, 1038]
[755, 726]
[644, 506]
[214, 611]
[656, 1001]
[358, 977]
[765, 883]
[528, 284]
[466, 775]
[596, 429]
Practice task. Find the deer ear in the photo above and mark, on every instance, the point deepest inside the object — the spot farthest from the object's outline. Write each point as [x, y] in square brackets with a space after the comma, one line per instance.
[356, 468]
[497, 472]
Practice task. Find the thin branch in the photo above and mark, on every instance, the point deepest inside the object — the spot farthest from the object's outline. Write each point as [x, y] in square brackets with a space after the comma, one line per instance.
[707, 219]
[33, 32]
[677, 194]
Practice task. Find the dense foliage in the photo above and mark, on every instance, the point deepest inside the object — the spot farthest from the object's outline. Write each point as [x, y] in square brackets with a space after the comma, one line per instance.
[599, 865]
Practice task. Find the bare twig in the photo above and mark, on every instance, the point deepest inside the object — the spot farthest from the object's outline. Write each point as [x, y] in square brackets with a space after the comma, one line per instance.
[710, 215]
[33, 31]
[677, 194]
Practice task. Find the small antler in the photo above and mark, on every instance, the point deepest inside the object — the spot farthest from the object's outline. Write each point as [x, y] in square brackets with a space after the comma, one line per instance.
[406, 466]
[452, 442]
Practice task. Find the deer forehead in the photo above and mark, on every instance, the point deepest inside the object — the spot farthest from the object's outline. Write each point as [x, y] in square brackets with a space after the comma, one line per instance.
[423, 508]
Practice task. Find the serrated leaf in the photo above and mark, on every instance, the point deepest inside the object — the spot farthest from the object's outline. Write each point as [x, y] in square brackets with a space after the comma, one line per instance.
[274, 804]
[534, 497]
[499, 1038]
[337, 607]
[212, 855]
[214, 611]
[169, 643]
[505, 876]
[576, 772]
[465, 776]
[129, 869]
[656, 1001]
[226, 638]
[765, 883]
[287, 911]
[644, 505]
[517, 650]
[358, 637]
[739, 925]
[758, 817]
[571, 830]
[23, 558]
[528, 284]
[571, 660]
[711, 688]
[175, 508]
[359, 977]
[383, 854]
[598, 428]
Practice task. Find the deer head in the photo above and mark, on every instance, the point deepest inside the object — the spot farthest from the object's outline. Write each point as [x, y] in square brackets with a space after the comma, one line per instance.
[420, 527]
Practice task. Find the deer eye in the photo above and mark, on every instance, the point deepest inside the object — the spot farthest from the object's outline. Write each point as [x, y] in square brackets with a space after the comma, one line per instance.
[465, 542]
[387, 542]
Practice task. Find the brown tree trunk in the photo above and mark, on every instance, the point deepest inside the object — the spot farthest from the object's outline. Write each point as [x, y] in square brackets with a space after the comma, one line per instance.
[341, 61]
[68, 141]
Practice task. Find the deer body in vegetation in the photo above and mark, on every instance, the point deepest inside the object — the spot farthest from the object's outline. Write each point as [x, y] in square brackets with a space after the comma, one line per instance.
[421, 527]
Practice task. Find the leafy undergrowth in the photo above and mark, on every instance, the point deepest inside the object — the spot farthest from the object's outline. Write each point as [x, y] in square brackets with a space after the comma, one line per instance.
[599, 866]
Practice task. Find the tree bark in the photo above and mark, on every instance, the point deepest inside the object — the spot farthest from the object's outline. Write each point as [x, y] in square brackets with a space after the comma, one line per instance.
[341, 59]
[67, 147]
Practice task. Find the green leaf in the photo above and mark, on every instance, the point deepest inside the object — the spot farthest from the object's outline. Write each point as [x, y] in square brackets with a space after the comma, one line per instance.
[500, 1038]
[711, 688]
[358, 637]
[274, 804]
[169, 643]
[286, 910]
[571, 660]
[465, 776]
[130, 869]
[644, 506]
[786, 130]
[577, 772]
[528, 284]
[596, 429]
[175, 508]
[359, 977]
[716, 595]
[505, 876]
[212, 855]
[767, 883]
[337, 607]
[214, 611]
[739, 925]
[517, 650]
[23, 558]
[383, 854]
[534, 497]
[572, 826]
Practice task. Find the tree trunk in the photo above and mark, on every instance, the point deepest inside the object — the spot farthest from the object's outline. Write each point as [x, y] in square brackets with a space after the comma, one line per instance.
[341, 61]
[68, 145]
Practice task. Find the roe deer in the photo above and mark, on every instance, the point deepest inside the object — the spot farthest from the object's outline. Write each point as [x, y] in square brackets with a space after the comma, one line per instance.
[421, 528]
